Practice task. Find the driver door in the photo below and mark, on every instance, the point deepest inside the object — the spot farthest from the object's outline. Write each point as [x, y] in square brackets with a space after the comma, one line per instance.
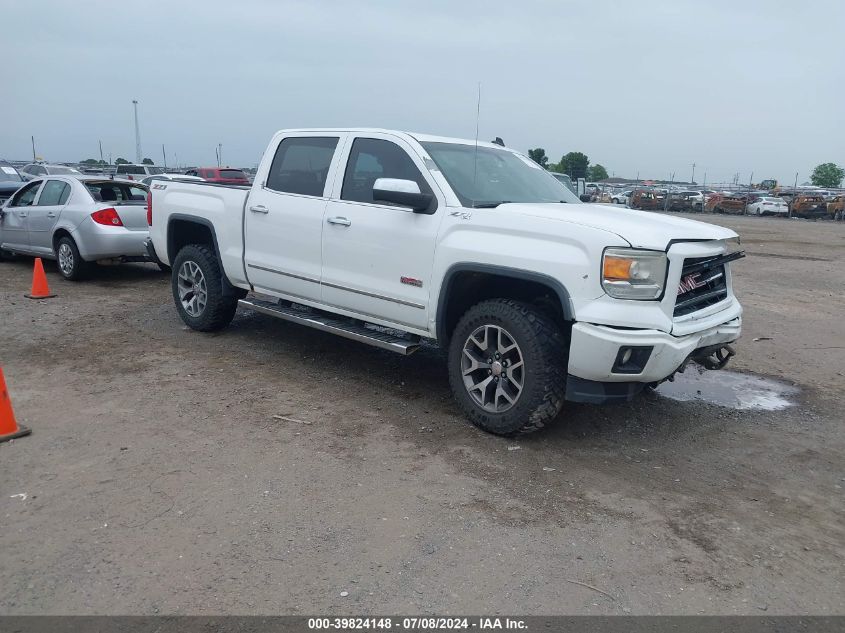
[14, 225]
[378, 257]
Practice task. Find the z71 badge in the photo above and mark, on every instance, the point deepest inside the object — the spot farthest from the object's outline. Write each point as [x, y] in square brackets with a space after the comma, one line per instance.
[410, 281]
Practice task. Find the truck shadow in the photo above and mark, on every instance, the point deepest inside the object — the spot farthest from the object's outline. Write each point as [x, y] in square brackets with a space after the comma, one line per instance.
[420, 383]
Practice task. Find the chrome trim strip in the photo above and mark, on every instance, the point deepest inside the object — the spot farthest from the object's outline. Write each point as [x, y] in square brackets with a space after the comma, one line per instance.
[419, 306]
[279, 272]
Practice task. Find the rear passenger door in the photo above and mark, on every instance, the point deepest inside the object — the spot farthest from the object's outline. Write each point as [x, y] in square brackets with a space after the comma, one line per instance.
[14, 223]
[284, 216]
[44, 214]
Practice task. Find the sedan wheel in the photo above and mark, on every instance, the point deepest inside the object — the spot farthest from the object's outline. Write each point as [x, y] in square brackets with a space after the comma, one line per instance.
[69, 261]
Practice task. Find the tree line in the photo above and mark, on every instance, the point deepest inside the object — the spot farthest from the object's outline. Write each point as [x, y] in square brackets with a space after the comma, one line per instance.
[574, 164]
[119, 161]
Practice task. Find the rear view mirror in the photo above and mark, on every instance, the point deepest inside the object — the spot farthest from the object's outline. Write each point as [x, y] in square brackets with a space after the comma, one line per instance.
[402, 192]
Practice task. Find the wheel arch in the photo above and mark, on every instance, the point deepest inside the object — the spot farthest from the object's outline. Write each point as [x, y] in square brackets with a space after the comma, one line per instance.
[465, 284]
[187, 229]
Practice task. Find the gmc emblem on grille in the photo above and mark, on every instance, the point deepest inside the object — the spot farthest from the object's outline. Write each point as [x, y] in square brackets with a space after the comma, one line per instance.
[690, 282]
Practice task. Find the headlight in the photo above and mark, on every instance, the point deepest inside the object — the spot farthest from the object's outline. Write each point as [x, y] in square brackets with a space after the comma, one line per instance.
[628, 273]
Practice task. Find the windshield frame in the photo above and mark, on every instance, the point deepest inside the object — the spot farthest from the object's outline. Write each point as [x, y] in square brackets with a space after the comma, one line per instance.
[556, 191]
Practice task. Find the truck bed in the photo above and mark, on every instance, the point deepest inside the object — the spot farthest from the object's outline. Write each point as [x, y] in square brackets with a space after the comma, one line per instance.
[218, 206]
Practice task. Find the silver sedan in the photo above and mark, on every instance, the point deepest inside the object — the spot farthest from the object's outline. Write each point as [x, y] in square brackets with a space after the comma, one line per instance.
[77, 221]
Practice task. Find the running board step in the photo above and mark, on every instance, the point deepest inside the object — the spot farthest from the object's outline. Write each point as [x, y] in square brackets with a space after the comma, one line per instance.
[334, 325]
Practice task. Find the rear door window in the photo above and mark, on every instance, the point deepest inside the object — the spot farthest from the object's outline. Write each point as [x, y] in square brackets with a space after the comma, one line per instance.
[54, 193]
[301, 165]
[232, 173]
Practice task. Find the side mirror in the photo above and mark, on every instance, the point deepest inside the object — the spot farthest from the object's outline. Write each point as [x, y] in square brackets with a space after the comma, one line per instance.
[585, 197]
[402, 192]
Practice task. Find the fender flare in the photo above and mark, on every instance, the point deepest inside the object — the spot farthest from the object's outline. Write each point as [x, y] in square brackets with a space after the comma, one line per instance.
[514, 273]
[228, 289]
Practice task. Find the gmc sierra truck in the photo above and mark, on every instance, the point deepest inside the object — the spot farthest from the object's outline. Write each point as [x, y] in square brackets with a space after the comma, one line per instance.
[392, 238]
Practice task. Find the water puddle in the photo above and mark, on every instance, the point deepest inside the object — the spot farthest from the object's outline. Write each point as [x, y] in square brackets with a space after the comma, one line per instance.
[729, 389]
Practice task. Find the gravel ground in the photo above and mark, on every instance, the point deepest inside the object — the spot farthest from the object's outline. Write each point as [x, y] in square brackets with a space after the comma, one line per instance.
[273, 469]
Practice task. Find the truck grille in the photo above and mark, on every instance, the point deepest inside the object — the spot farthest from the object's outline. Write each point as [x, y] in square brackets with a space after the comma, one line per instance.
[703, 283]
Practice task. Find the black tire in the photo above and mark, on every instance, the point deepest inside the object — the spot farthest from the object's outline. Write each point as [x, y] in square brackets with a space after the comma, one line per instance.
[218, 311]
[544, 352]
[69, 262]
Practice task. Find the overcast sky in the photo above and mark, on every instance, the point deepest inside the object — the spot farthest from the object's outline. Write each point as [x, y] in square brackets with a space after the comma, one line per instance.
[642, 86]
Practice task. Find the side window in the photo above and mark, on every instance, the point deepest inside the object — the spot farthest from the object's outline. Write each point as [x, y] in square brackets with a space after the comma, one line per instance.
[122, 169]
[371, 159]
[40, 171]
[26, 196]
[54, 193]
[301, 165]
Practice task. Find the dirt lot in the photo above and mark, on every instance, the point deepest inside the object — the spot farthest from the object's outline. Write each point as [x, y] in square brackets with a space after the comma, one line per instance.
[159, 481]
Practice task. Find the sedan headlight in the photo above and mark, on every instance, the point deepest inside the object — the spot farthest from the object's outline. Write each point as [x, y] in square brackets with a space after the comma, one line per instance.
[628, 273]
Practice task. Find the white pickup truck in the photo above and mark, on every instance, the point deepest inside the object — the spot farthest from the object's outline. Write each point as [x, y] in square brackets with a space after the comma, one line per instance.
[390, 238]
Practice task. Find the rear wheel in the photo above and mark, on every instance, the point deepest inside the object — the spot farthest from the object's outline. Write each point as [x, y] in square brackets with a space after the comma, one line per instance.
[68, 260]
[197, 287]
[507, 367]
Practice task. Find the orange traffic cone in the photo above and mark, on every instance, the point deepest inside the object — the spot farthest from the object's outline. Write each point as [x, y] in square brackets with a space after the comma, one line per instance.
[40, 289]
[9, 427]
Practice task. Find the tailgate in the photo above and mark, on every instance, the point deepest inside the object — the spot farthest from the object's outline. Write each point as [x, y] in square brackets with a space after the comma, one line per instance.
[133, 215]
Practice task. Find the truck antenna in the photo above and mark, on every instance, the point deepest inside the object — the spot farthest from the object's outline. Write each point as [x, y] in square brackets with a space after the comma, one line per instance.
[477, 117]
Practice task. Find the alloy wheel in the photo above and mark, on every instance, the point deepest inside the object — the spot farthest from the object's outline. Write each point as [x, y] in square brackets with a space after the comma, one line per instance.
[492, 368]
[65, 257]
[193, 293]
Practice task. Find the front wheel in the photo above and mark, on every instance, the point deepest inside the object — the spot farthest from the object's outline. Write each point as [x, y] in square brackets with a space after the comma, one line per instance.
[507, 367]
[197, 284]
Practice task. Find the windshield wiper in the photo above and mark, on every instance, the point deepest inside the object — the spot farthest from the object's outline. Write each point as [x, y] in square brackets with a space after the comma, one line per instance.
[489, 205]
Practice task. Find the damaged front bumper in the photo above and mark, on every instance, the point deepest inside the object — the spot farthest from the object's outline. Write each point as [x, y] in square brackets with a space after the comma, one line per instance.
[608, 364]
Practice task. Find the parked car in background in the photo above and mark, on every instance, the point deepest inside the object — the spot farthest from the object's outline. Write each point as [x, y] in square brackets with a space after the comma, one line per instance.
[836, 206]
[621, 197]
[808, 205]
[647, 199]
[132, 171]
[565, 179]
[220, 175]
[184, 177]
[768, 205]
[10, 181]
[683, 200]
[39, 170]
[76, 220]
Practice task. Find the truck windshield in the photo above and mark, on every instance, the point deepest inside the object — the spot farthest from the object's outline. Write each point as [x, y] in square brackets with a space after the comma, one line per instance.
[488, 177]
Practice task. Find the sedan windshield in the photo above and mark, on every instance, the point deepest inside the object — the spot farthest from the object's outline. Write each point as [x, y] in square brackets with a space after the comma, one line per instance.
[488, 177]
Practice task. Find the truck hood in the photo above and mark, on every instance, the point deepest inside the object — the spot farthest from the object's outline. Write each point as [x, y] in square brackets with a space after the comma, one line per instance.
[640, 229]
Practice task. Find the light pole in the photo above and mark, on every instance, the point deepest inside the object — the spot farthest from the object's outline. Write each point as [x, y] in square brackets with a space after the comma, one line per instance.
[137, 134]
[692, 178]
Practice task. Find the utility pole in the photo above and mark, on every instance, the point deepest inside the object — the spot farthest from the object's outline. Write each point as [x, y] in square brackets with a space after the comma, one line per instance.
[101, 152]
[33, 149]
[164, 156]
[794, 195]
[692, 178]
[137, 134]
[748, 196]
[220, 154]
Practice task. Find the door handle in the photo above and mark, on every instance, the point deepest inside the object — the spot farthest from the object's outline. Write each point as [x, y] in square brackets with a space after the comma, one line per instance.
[22, 214]
[259, 208]
[51, 215]
[339, 221]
